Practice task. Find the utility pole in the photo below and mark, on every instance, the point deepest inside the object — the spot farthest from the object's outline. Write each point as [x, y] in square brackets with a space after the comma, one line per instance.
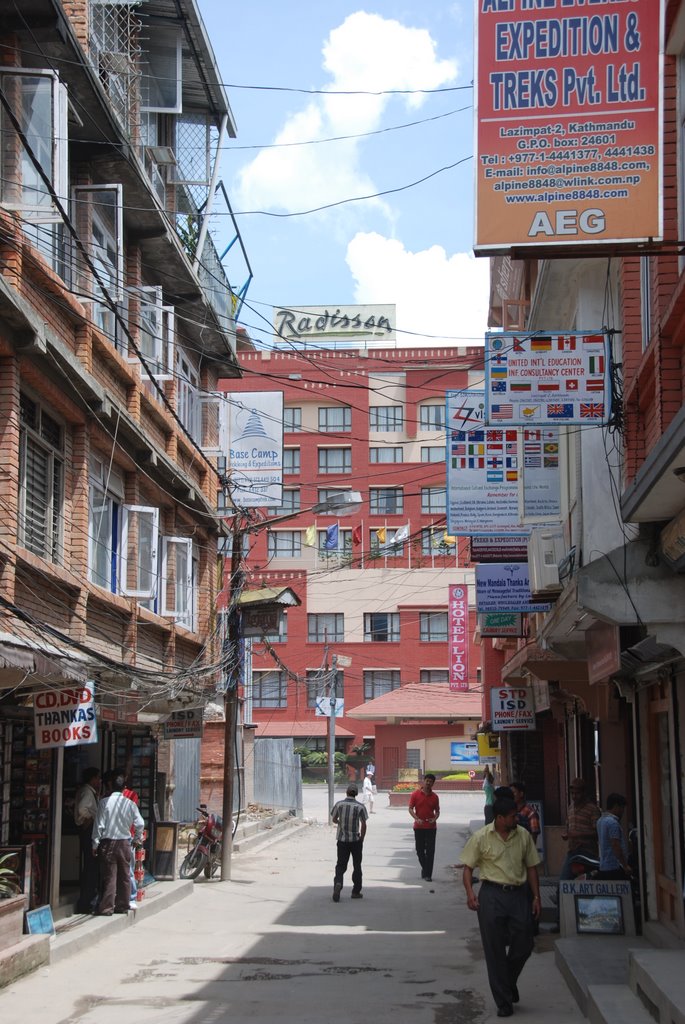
[232, 676]
[331, 733]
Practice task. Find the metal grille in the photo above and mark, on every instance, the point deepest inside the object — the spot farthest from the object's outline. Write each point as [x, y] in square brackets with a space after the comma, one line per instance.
[195, 140]
[114, 51]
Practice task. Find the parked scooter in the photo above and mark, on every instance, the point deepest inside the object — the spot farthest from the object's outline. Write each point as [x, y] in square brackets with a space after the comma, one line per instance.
[205, 851]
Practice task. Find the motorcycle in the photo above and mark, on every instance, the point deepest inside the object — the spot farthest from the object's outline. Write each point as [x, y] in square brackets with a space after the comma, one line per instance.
[204, 847]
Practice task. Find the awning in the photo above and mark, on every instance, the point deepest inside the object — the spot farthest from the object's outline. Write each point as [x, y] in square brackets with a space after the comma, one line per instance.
[21, 658]
[314, 727]
[544, 665]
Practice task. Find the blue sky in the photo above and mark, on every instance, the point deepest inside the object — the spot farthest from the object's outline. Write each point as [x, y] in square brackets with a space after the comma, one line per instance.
[412, 247]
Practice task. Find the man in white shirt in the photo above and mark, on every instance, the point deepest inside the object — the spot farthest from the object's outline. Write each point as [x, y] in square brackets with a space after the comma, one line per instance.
[85, 811]
[116, 816]
[368, 794]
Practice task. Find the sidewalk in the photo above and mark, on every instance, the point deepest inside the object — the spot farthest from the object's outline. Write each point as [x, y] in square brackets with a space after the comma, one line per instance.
[271, 945]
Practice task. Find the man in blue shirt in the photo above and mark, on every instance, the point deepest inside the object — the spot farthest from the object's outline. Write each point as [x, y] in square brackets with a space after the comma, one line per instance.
[613, 848]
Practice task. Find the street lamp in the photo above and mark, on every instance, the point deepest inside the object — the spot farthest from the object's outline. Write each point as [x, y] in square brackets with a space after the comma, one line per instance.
[342, 504]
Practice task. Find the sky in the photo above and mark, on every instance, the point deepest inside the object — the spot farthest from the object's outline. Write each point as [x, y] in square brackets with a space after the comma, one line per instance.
[410, 247]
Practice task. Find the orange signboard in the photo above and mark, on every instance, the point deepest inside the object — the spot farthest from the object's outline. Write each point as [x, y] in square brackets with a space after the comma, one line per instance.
[568, 141]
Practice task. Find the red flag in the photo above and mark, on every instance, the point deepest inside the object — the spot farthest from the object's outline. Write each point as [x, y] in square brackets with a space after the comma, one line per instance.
[357, 535]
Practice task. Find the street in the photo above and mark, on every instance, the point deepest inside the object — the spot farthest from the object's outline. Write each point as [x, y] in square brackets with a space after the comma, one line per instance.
[270, 944]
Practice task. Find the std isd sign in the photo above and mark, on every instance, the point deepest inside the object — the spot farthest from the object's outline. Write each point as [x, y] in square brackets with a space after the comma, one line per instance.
[512, 709]
[569, 98]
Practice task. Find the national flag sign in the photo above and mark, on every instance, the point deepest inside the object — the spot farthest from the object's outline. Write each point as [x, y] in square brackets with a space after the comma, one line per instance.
[591, 410]
[502, 412]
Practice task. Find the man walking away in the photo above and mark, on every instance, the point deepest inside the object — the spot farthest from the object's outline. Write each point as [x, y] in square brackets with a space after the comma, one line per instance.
[613, 848]
[507, 859]
[581, 827]
[350, 817]
[116, 816]
[424, 807]
[85, 811]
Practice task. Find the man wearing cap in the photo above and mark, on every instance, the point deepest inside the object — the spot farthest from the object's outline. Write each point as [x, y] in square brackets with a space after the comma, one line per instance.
[581, 827]
[507, 860]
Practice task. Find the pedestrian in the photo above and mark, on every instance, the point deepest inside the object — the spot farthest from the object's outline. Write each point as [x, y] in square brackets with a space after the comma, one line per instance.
[132, 795]
[581, 827]
[350, 816]
[424, 807]
[489, 794]
[507, 861]
[613, 848]
[527, 816]
[116, 815]
[368, 795]
[85, 812]
[371, 770]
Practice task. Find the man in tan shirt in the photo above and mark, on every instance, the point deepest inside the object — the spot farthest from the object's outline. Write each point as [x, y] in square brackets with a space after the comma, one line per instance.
[507, 860]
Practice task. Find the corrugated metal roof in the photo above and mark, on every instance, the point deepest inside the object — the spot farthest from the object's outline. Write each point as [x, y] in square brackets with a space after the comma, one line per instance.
[421, 700]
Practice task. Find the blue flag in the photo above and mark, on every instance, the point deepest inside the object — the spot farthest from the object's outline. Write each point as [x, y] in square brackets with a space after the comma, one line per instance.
[331, 542]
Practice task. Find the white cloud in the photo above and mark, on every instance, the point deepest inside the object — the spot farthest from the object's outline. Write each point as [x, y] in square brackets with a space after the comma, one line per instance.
[365, 52]
[441, 299]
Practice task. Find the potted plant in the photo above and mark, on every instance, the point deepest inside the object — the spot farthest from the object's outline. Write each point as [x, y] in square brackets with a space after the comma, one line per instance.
[400, 793]
[12, 904]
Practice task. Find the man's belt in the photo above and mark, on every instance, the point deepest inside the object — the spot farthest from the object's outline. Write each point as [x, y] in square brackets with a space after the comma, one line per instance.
[500, 885]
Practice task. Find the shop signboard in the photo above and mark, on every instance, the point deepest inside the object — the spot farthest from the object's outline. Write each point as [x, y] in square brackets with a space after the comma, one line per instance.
[500, 624]
[546, 379]
[602, 647]
[184, 724]
[488, 747]
[323, 707]
[459, 636]
[256, 448]
[505, 587]
[512, 709]
[497, 479]
[569, 99]
[65, 718]
[505, 547]
[464, 753]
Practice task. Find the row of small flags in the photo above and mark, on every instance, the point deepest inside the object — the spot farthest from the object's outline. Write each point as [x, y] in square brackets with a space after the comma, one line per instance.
[400, 536]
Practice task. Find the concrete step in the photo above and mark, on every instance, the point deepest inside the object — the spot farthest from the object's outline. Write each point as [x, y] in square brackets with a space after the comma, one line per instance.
[586, 960]
[615, 1004]
[658, 980]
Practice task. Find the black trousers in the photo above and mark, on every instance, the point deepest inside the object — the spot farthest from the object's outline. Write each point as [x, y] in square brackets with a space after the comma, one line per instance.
[506, 930]
[345, 850]
[115, 875]
[424, 838]
[89, 873]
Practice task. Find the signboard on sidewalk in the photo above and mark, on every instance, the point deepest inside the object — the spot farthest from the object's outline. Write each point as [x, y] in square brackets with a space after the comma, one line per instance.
[65, 718]
[569, 98]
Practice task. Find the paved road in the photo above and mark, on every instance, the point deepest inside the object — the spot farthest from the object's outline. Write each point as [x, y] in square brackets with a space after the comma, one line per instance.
[271, 946]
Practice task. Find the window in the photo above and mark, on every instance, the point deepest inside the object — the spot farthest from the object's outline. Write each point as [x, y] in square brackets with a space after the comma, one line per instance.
[179, 580]
[99, 218]
[387, 547]
[106, 493]
[343, 547]
[381, 627]
[432, 454]
[292, 420]
[39, 103]
[378, 683]
[139, 551]
[433, 500]
[386, 455]
[432, 417]
[160, 62]
[290, 502]
[386, 417]
[436, 542]
[318, 682]
[326, 628]
[284, 544]
[269, 690]
[335, 460]
[281, 637]
[434, 676]
[188, 403]
[386, 501]
[291, 461]
[433, 627]
[41, 480]
[156, 332]
[335, 418]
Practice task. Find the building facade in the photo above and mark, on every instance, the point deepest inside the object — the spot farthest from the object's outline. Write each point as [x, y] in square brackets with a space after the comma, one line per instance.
[117, 317]
[362, 414]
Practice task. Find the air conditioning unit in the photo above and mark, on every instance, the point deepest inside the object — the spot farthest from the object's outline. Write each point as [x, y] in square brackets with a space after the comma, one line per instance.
[546, 549]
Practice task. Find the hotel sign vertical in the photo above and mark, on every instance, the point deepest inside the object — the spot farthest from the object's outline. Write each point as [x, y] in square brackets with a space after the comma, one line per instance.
[459, 636]
[568, 147]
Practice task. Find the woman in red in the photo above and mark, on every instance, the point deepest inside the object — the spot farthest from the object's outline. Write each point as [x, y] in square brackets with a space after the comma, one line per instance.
[424, 807]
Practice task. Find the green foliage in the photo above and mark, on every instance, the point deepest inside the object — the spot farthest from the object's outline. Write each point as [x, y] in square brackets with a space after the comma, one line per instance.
[189, 233]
